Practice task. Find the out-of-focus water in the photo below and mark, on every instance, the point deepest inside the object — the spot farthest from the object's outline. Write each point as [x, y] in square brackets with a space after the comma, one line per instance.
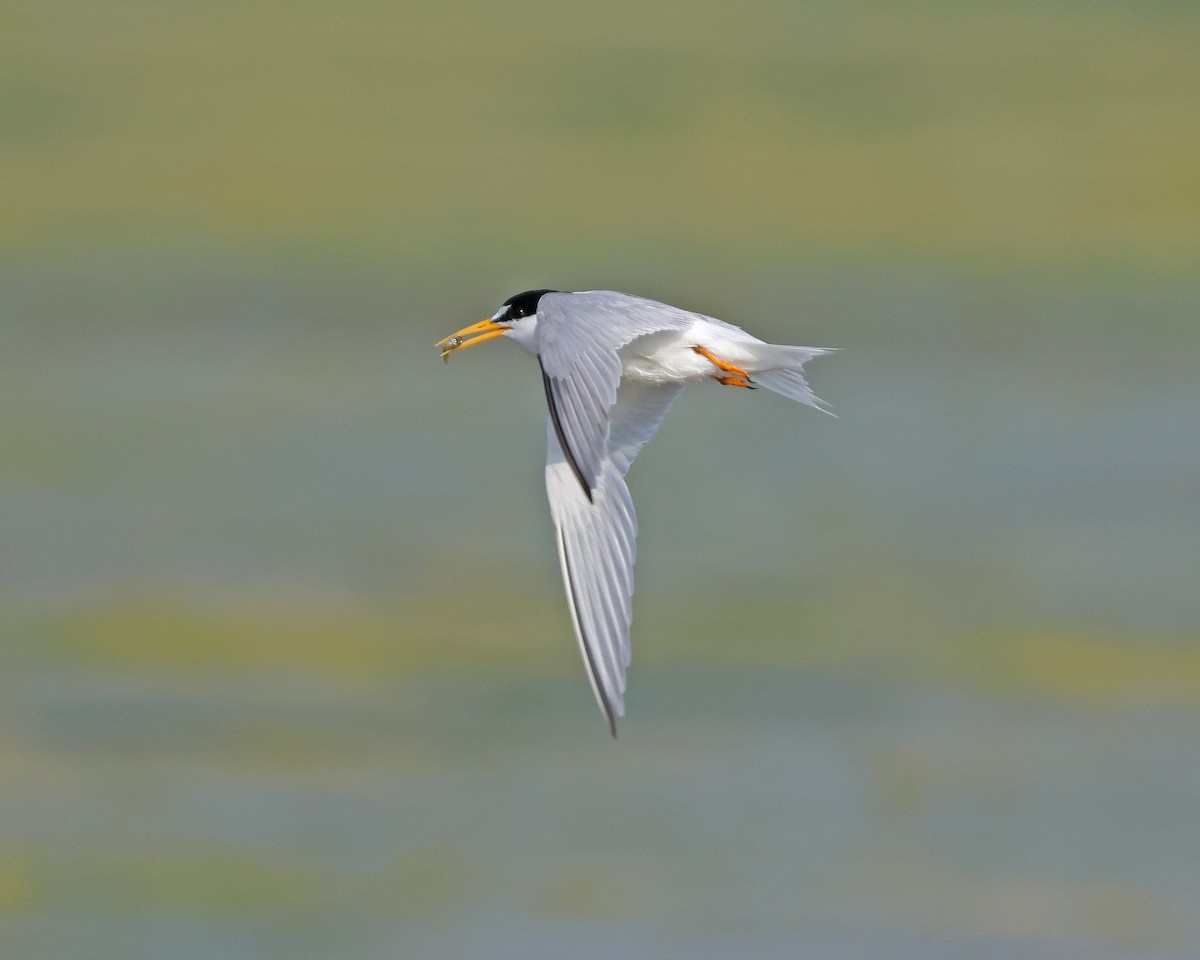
[286, 669]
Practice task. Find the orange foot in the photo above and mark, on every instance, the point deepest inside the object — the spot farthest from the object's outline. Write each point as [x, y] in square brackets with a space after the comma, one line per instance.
[740, 377]
[736, 382]
[721, 364]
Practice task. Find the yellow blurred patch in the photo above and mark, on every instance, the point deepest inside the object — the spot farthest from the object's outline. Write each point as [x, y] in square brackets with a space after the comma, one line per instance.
[18, 886]
[331, 638]
[1103, 669]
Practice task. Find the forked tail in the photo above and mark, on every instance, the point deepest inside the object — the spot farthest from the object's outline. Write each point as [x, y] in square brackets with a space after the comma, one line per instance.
[784, 372]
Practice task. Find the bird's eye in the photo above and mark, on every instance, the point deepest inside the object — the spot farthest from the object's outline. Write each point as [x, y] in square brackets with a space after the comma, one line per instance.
[523, 304]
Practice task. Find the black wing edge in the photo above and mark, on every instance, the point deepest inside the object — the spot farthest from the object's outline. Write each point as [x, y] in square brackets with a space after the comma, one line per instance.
[562, 437]
[587, 647]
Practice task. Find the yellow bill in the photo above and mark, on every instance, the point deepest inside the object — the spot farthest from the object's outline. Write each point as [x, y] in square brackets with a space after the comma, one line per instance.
[470, 336]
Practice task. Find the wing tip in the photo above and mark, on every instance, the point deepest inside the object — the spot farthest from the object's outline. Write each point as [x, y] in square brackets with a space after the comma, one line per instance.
[589, 661]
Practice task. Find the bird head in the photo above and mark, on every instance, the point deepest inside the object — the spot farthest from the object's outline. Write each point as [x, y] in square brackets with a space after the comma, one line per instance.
[517, 318]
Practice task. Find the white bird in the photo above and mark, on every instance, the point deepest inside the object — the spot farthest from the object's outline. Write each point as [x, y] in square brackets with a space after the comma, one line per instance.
[612, 365]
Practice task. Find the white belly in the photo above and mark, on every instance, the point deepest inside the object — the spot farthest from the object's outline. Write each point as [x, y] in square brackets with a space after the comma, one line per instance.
[668, 357]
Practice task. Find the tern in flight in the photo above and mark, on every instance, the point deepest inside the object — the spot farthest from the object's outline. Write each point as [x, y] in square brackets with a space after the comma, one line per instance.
[612, 365]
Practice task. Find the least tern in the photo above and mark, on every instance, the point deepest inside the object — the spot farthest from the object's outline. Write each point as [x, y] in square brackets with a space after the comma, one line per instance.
[612, 364]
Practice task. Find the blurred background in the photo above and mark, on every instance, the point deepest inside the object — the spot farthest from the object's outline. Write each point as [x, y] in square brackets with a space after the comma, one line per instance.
[285, 668]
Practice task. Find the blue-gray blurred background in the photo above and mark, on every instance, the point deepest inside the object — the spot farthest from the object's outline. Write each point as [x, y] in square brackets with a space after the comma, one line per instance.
[285, 668]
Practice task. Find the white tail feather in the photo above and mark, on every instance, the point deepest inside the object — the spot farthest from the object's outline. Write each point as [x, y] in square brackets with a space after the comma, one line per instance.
[783, 373]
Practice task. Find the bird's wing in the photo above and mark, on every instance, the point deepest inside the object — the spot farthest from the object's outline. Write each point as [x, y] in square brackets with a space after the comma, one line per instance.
[636, 417]
[597, 539]
[579, 335]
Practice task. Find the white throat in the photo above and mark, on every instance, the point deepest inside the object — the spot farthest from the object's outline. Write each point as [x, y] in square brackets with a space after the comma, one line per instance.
[523, 332]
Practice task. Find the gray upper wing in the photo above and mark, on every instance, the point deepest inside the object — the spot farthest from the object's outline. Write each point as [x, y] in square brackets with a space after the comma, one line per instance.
[597, 540]
[579, 335]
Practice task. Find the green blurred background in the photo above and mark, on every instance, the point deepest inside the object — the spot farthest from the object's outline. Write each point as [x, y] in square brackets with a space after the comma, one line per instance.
[285, 667]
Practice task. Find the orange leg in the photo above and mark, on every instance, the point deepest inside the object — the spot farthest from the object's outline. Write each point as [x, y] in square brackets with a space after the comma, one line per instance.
[739, 378]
